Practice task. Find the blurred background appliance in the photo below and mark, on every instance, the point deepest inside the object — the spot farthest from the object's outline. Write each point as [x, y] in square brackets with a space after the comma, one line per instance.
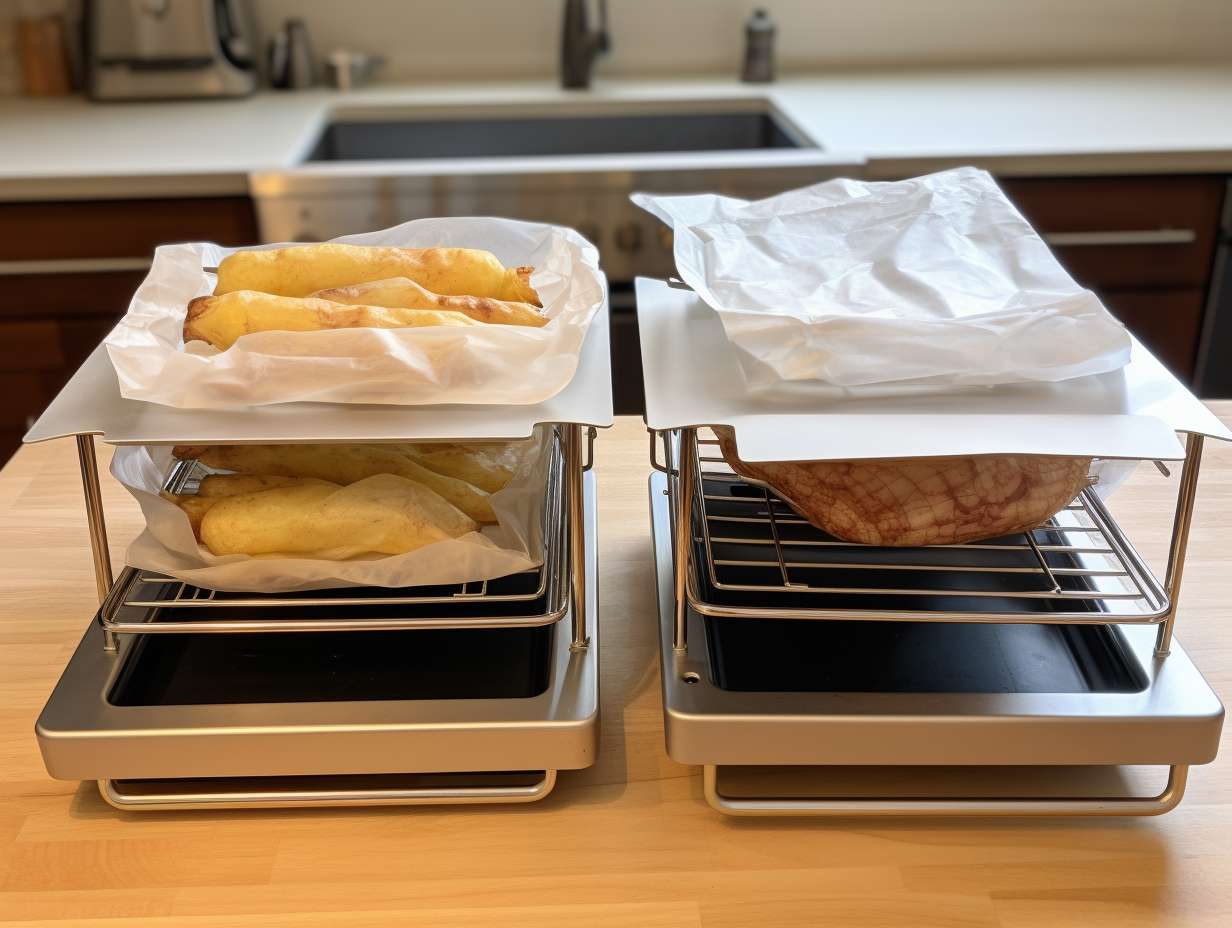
[150, 49]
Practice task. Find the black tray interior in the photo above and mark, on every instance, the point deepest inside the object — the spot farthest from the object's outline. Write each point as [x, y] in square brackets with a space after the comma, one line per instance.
[191, 669]
[784, 655]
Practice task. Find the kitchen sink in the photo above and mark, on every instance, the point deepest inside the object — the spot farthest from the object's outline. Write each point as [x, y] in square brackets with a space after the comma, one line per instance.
[523, 136]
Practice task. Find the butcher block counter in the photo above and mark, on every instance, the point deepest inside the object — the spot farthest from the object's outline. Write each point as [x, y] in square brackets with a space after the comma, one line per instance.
[629, 842]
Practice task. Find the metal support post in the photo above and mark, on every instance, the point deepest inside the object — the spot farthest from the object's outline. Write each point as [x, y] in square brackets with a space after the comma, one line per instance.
[1180, 537]
[684, 533]
[574, 506]
[98, 527]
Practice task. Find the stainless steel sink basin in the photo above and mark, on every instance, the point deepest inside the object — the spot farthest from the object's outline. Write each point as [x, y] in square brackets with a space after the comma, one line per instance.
[528, 136]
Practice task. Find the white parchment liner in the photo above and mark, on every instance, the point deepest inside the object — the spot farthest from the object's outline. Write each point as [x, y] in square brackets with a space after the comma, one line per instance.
[486, 364]
[168, 546]
[937, 279]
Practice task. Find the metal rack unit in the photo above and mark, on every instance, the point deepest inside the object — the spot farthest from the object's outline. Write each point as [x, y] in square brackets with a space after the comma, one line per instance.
[236, 754]
[179, 697]
[736, 565]
[813, 677]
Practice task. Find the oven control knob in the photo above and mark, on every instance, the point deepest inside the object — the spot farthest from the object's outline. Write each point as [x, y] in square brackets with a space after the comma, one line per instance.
[666, 238]
[629, 237]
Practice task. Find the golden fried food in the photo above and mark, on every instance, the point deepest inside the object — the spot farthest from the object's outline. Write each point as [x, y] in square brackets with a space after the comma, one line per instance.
[221, 320]
[403, 293]
[488, 466]
[219, 486]
[341, 464]
[385, 514]
[303, 269]
[921, 501]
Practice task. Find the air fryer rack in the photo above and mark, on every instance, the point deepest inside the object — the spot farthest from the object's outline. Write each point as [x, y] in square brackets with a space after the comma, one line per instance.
[140, 602]
[164, 605]
[757, 557]
[750, 556]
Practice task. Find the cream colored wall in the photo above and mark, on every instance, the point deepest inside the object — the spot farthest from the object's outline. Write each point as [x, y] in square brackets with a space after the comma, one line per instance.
[453, 39]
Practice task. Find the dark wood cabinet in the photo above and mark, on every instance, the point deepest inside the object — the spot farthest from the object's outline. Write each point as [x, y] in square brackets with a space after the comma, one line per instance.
[67, 273]
[1146, 245]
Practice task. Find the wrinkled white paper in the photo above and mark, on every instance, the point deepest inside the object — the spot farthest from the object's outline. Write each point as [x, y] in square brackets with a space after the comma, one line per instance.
[938, 279]
[485, 364]
[168, 545]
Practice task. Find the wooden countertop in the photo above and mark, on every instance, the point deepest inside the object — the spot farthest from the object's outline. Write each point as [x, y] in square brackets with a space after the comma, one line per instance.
[629, 842]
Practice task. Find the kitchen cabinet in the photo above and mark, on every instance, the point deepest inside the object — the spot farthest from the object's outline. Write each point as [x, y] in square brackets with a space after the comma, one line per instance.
[1146, 245]
[67, 272]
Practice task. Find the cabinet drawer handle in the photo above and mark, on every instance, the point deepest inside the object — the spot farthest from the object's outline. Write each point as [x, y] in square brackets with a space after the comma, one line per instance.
[73, 266]
[1126, 237]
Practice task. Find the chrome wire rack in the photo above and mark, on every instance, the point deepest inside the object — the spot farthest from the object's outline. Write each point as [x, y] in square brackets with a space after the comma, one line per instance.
[751, 556]
[141, 602]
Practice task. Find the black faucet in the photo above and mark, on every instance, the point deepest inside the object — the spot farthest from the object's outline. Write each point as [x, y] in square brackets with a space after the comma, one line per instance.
[579, 45]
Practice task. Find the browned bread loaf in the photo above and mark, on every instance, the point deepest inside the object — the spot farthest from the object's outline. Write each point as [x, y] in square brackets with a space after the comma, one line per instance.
[905, 502]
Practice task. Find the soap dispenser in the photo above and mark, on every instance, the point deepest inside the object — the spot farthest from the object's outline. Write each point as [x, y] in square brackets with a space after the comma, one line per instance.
[759, 33]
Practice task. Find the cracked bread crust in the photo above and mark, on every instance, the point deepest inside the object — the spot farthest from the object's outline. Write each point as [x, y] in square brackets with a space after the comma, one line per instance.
[908, 502]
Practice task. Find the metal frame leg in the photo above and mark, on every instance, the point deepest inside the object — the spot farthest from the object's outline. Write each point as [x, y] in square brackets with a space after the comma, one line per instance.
[683, 534]
[103, 578]
[271, 795]
[575, 507]
[1181, 522]
[1165, 801]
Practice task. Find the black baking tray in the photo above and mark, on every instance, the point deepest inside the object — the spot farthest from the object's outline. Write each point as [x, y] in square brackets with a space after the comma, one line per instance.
[201, 669]
[785, 655]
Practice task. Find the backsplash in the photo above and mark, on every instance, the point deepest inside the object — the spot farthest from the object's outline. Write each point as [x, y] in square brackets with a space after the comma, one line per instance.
[481, 39]
[487, 39]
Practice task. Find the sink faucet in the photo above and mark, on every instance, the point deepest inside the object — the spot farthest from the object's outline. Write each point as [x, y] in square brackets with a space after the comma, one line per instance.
[580, 44]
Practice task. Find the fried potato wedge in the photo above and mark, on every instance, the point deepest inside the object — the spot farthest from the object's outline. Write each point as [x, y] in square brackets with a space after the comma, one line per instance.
[404, 293]
[487, 467]
[385, 514]
[221, 320]
[303, 269]
[341, 464]
[219, 486]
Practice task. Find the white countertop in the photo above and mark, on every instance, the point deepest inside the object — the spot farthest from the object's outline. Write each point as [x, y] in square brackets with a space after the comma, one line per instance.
[884, 124]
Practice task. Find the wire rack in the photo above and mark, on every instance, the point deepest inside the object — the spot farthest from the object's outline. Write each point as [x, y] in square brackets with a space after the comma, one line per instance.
[754, 557]
[147, 603]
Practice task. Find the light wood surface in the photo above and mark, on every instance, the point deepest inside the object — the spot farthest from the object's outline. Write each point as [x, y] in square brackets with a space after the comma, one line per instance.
[629, 842]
